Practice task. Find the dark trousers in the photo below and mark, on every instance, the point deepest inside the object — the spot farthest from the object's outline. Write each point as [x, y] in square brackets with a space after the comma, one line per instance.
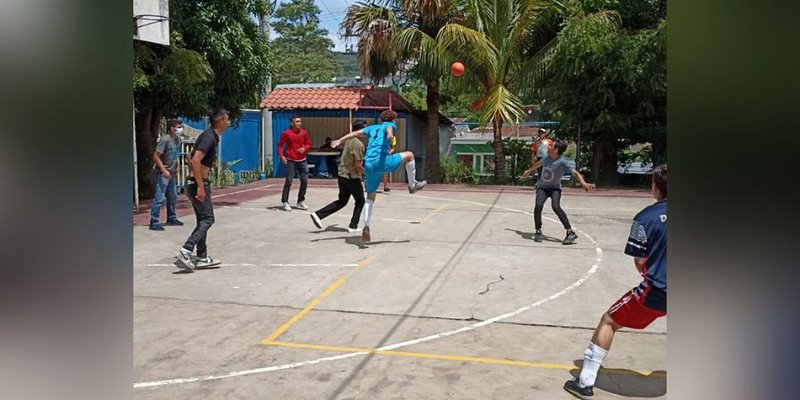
[347, 187]
[204, 213]
[291, 167]
[541, 197]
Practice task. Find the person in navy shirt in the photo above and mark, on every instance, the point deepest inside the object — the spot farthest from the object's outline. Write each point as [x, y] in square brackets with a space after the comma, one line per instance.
[647, 244]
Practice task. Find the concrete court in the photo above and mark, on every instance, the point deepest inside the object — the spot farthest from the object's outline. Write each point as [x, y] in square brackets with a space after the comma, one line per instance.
[451, 300]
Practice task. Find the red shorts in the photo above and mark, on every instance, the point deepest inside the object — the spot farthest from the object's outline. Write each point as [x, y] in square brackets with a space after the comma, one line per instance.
[639, 307]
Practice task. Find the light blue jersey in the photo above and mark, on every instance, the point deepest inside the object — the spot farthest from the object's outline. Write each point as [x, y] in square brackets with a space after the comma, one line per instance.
[378, 146]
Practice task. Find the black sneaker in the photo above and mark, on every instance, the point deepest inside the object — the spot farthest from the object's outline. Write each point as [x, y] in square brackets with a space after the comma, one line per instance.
[156, 227]
[387, 189]
[174, 221]
[537, 236]
[570, 238]
[577, 391]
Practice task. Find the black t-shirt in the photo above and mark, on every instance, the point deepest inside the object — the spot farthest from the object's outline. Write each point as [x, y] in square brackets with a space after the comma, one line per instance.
[207, 143]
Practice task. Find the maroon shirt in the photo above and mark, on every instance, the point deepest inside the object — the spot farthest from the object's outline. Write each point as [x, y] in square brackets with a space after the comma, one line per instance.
[294, 141]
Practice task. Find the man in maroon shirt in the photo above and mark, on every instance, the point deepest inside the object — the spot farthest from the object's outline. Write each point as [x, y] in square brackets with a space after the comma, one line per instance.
[297, 143]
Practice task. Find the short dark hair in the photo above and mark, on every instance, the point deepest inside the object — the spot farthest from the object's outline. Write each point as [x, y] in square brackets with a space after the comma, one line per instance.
[560, 146]
[328, 138]
[294, 117]
[174, 122]
[359, 124]
[217, 115]
[660, 178]
[388, 115]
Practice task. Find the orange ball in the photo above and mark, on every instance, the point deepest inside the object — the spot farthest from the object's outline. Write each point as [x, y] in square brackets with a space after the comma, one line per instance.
[457, 68]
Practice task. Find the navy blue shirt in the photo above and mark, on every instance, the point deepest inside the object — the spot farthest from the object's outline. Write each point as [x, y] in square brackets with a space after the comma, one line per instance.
[648, 240]
[207, 143]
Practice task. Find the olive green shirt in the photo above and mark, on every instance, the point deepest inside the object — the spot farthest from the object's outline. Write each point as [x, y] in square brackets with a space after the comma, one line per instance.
[352, 155]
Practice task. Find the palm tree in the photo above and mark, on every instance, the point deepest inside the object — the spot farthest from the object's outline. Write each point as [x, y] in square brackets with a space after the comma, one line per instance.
[506, 45]
[501, 44]
[396, 33]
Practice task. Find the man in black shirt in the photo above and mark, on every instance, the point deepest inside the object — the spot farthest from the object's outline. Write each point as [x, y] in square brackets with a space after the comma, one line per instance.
[201, 160]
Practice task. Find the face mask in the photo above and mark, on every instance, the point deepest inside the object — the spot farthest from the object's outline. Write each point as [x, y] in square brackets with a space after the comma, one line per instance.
[179, 131]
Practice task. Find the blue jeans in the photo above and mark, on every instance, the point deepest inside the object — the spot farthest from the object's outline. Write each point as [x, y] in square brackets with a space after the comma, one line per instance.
[165, 189]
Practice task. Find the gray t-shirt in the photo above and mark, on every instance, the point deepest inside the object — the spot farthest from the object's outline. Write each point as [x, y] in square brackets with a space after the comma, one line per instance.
[552, 171]
[167, 149]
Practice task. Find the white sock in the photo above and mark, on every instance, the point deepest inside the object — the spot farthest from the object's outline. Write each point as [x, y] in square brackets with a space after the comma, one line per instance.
[411, 171]
[368, 205]
[592, 360]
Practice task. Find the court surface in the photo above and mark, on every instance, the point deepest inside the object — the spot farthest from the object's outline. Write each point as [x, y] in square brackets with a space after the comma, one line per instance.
[452, 299]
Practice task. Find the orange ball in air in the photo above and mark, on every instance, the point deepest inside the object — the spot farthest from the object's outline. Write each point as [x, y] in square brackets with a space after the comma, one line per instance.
[457, 68]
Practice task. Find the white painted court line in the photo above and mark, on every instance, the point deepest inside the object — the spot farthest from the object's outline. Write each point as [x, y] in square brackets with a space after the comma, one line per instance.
[240, 191]
[313, 265]
[489, 321]
[270, 265]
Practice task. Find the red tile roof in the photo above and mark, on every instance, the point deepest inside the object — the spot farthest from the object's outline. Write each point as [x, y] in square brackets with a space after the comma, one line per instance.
[332, 98]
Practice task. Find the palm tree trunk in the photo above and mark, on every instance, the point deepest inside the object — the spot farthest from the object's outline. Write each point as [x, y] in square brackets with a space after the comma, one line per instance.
[499, 157]
[433, 171]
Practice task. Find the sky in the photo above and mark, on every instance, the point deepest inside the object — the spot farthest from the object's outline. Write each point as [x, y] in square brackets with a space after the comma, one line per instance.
[330, 17]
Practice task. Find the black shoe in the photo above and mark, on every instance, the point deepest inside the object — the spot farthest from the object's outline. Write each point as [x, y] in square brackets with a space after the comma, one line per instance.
[537, 236]
[174, 221]
[577, 391]
[570, 238]
[387, 189]
[156, 227]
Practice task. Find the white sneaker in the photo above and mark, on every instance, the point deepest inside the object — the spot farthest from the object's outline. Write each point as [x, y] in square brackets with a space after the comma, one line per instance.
[353, 230]
[286, 207]
[417, 187]
[302, 205]
[316, 220]
[207, 262]
[185, 259]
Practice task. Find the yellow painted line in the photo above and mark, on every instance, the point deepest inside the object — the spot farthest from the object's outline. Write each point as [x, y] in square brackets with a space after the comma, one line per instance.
[332, 288]
[482, 360]
[427, 217]
[327, 292]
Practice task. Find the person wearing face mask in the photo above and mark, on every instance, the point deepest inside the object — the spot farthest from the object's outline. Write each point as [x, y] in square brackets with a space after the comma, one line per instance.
[165, 171]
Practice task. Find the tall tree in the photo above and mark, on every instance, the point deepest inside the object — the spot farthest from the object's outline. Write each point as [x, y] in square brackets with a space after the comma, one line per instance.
[609, 81]
[394, 34]
[303, 48]
[216, 58]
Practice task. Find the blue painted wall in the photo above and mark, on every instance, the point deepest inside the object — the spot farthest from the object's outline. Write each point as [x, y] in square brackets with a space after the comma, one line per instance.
[281, 121]
[240, 141]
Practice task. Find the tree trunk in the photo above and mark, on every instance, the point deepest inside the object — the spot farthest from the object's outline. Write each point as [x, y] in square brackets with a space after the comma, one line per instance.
[499, 157]
[147, 129]
[597, 159]
[433, 171]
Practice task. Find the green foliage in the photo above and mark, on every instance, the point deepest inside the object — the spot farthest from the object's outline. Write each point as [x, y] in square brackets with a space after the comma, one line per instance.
[223, 176]
[216, 58]
[454, 171]
[518, 158]
[348, 62]
[303, 47]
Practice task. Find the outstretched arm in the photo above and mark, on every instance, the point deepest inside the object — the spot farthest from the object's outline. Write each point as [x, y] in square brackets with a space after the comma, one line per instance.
[337, 142]
[530, 170]
[586, 186]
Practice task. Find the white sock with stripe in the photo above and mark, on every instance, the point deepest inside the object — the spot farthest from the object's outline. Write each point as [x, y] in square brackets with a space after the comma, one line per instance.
[411, 171]
[368, 205]
[592, 360]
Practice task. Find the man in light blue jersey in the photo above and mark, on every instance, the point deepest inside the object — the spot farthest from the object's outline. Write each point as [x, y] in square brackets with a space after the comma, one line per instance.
[378, 161]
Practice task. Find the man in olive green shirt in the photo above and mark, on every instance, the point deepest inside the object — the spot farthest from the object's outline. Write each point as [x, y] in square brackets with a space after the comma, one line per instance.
[351, 171]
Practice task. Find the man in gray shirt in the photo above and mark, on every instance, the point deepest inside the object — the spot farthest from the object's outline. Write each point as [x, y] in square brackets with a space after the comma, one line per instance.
[165, 171]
